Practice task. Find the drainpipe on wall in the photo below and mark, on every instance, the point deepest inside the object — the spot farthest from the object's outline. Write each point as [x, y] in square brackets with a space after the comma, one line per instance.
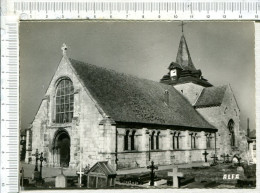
[215, 143]
[116, 150]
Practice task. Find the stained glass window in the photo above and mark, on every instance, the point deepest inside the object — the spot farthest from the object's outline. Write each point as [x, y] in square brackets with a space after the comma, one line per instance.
[64, 101]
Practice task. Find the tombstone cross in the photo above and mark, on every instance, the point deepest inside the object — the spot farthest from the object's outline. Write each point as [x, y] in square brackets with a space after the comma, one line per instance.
[36, 160]
[22, 176]
[215, 158]
[41, 160]
[205, 154]
[80, 173]
[152, 167]
[224, 156]
[239, 161]
[227, 156]
[175, 177]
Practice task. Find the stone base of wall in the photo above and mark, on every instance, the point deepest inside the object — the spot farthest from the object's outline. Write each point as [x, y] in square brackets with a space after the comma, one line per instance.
[141, 159]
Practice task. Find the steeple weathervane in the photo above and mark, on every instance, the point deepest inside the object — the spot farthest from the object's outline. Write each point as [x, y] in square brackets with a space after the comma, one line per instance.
[64, 49]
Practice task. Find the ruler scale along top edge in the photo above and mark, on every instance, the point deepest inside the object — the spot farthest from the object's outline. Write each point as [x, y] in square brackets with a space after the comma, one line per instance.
[172, 10]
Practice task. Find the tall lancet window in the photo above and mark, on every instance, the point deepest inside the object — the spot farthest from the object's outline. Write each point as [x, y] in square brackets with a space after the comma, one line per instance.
[64, 101]
[133, 141]
[158, 140]
[126, 140]
[231, 132]
[175, 140]
[152, 140]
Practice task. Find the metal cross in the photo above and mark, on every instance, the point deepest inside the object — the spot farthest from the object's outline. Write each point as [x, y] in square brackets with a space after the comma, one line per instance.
[152, 167]
[205, 154]
[182, 24]
[224, 156]
[215, 158]
[41, 160]
[239, 159]
[227, 156]
[36, 160]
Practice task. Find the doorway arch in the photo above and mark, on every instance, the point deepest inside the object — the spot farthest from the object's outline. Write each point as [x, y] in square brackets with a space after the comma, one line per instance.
[61, 148]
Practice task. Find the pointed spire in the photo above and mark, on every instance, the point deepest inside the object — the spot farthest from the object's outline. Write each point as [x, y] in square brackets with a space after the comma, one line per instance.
[64, 49]
[183, 56]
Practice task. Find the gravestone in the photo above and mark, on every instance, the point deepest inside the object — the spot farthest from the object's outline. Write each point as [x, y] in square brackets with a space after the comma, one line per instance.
[175, 177]
[61, 180]
[234, 160]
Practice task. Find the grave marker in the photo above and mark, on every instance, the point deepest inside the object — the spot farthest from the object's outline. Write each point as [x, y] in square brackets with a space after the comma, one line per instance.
[215, 158]
[175, 177]
[41, 160]
[61, 180]
[228, 156]
[205, 154]
[224, 157]
[36, 160]
[152, 167]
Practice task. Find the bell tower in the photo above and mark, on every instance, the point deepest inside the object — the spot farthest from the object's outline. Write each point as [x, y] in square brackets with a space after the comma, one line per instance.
[183, 75]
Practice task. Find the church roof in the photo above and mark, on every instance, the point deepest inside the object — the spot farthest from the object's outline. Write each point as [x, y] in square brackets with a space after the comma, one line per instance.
[128, 99]
[102, 167]
[211, 96]
[174, 65]
[183, 56]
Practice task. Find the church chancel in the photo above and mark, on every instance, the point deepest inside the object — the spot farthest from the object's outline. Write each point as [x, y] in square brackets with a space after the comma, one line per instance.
[83, 119]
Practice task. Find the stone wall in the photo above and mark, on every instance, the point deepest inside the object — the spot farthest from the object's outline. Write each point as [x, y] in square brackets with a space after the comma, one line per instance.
[84, 130]
[165, 155]
[190, 90]
[219, 116]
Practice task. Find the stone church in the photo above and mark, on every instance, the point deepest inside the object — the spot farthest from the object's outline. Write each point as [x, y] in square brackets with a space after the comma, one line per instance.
[91, 114]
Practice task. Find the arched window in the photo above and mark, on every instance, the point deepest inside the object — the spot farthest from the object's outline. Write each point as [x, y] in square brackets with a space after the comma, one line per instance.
[152, 140]
[64, 101]
[175, 142]
[193, 140]
[126, 140]
[133, 141]
[158, 140]
[231, 132]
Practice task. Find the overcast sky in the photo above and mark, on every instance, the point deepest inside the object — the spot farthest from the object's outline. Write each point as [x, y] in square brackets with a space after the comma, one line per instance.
[224, 51]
